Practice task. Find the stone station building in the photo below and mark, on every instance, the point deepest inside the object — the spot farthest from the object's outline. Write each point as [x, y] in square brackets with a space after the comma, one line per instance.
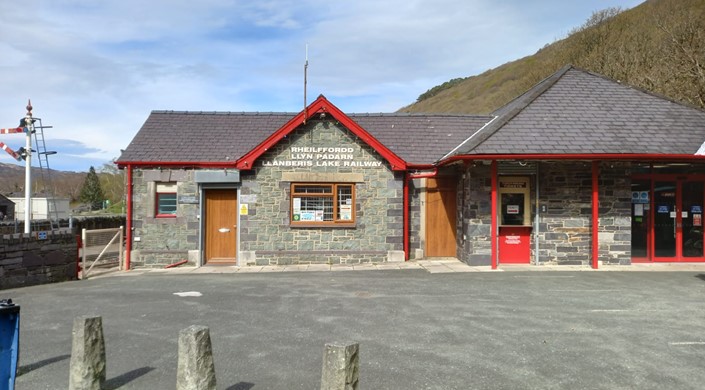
[580, 169]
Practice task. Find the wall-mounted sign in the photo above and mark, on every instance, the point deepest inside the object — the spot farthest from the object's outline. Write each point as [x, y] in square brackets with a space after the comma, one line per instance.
[244, 209]
[320, 157]
[638, 210]
[663, 209]
[512, 209]
[188, 199]
[513, 184]
[640, 196]
[696, 209]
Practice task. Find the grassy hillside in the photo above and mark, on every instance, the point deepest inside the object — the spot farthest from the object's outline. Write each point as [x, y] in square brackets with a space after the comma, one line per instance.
[658, 46]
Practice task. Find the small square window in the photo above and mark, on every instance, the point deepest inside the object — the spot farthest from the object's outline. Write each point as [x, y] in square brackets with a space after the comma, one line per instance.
[165, 200]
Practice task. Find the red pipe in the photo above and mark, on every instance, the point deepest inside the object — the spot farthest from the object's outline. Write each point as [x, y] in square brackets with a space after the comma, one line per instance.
[178, 263]
[406, 217]
[128, 245]
[595, 214]
[493, 173]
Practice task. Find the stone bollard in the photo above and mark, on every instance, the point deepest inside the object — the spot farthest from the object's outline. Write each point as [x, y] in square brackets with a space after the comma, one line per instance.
[196, 370]
[341, 366]
[87, 354]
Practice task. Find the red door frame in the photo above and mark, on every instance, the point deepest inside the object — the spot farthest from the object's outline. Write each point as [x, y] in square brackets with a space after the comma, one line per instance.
[678, 179]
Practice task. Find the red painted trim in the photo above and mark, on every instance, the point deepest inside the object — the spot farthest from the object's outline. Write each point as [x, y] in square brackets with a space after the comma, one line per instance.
[405, 214]
[320, 105]
[493, 236]
[595, 213]
[577, 156]
[128, 244]
[423, 175]
[194, 164]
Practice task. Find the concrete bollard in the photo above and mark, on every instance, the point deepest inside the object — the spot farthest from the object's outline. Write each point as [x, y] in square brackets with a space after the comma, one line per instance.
[196, 370]
[87, 354]
[341, 366]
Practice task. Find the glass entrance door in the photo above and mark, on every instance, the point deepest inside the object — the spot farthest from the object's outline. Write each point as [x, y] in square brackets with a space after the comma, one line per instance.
[692, 220]
[665, 215]
[678, 220]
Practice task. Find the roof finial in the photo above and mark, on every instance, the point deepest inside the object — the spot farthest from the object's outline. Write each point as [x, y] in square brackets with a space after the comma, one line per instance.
[29, 107]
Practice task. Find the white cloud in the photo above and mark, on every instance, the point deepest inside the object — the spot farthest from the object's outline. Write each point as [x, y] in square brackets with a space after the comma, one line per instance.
[95, 69]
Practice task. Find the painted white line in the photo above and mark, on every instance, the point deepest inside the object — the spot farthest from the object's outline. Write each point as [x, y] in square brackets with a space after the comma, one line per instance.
[543, 277]
[687, 343]
[188, 294]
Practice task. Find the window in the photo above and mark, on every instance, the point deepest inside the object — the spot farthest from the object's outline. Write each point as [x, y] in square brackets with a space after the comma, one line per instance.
[322, 204]
[165, 200]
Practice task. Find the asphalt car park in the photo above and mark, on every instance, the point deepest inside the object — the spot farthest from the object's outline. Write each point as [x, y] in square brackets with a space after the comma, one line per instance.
[417, 330]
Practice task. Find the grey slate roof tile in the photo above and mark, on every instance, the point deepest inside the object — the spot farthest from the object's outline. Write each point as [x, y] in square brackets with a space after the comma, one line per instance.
[588, 113]
[191, 137]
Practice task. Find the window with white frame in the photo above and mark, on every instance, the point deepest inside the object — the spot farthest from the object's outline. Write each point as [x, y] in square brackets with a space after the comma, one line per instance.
[165, 200]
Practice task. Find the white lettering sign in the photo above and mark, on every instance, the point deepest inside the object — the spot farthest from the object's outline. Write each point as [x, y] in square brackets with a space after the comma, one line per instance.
[307, 157]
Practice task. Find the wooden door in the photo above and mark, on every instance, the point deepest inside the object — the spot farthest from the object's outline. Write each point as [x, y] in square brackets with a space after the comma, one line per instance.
[221, 226]
[440, 217]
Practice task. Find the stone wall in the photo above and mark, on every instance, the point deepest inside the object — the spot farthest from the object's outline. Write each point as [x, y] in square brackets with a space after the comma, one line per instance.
[475, 191]
[615, 228]
[266, 235]
[565, 229]
[161, 241]
[416, 239]
[30, 261]
[565, 235]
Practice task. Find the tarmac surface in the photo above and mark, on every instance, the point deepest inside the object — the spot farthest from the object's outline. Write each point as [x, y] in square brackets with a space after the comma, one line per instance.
[432, 325]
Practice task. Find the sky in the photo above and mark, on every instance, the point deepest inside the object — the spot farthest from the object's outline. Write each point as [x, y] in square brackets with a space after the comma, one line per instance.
[94, 70]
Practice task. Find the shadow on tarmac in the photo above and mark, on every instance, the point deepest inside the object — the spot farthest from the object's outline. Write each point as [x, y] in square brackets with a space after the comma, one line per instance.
[241, 386]
[31, 367]
[126, 378]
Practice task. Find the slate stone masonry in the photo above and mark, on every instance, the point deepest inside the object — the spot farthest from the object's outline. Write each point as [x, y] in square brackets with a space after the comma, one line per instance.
[266, 233]
[161, 241]
[565, 228]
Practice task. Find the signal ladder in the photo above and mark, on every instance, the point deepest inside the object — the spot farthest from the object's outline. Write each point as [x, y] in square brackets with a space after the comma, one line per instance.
[43, 158]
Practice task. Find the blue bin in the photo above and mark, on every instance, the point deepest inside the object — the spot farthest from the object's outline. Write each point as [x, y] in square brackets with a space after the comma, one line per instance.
[9, 343]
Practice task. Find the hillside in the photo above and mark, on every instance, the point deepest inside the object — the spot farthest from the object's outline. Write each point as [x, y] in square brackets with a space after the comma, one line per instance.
[67, 184]
[658, 46]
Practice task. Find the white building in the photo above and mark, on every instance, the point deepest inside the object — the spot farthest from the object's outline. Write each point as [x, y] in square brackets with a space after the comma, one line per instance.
[43, 208]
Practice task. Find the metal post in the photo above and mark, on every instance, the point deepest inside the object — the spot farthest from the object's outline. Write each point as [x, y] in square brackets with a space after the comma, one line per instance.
[494, 226]
[122, 248]
[28, 170]
[83, 254]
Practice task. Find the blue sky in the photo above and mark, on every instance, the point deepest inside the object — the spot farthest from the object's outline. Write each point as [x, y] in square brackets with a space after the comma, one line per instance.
[95, 69]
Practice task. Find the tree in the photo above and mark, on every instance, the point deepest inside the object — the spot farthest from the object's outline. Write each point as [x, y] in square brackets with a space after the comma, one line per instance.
[112, 181]
[91, 192]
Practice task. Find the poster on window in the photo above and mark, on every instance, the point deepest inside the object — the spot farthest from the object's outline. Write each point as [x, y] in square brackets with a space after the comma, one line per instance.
[319, 215]
[512, 209]
[346, 212]
[697, 220]
[297, 205]
[308, 216]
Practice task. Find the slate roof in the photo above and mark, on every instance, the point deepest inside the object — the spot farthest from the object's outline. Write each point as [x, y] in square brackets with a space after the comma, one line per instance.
[575, 112]
[202, 137]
